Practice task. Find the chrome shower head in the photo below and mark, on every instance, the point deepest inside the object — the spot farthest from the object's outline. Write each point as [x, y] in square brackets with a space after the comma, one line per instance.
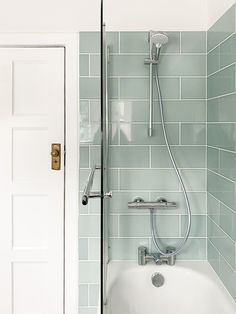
[158, 39]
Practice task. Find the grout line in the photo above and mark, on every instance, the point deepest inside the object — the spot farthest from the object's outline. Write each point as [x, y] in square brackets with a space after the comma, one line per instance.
[221, 69]
[221, 175]
[221, 96]
[227, 235]
[222, 149]
[219, 44]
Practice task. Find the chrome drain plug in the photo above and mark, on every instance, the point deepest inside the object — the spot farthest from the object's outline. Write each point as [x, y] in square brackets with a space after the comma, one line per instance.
[158, 280]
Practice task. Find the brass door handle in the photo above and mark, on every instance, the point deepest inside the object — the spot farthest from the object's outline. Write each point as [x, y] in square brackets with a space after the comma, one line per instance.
[55, 153]
[56, 156]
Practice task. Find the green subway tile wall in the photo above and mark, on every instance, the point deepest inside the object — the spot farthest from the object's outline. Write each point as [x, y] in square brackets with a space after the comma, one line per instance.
[221, 148]
[139, 165]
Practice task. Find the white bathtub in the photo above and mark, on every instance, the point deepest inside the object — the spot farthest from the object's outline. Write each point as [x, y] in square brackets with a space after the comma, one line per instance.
[189, 288]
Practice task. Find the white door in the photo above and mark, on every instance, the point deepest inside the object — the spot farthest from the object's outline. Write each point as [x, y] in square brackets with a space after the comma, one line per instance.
[31, 193]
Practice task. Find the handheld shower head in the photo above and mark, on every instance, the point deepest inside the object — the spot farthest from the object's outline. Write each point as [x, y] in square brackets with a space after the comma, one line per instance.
[158, 40]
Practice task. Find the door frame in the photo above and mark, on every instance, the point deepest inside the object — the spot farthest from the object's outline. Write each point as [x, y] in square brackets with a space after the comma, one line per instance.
[68, 41]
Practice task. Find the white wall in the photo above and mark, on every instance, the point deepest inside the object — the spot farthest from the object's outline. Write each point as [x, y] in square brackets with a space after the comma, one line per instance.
[75, 15]
[216, 8]
[156, 14]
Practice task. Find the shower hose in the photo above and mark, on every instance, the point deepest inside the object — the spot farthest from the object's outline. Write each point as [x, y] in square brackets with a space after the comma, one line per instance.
[152, 223]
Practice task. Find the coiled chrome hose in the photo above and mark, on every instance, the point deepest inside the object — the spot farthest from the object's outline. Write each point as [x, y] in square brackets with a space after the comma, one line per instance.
[153, 228]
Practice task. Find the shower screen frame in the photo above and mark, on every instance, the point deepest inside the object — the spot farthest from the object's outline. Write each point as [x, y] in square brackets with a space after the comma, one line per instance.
[104, 163]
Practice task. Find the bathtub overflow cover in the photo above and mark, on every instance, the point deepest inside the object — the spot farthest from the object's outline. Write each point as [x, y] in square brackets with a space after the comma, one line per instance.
[158, 280]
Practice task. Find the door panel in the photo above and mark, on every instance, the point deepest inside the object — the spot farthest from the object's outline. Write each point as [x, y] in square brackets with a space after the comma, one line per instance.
[31, 193]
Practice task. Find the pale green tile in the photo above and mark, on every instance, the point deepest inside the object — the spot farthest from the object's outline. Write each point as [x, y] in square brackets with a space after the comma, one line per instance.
[95, 111]
[224, 27]
[228, 51]
[94, 294]
[89, 226]
[221, 83]
[136, 134]
[95, 205]
[213, 159]
[83, 295]
[222, 135]
[113, 225]
[182, 65]
[193, 88]
[137, 88]
[185, 157]
[93, 134]
[95, 155]
[84, 65]
[228, 164]
[195, 249]
[89, 87]
[222, 189]
[89, 42]
[182, 111]
[94, 249]
[128, 65]
[134, 42]
[213, 257]
[113, 88]
[173, 45]
[228, 277]
[89, 272]
[126, 248]
[129, 110]
[224, 244]
[193, 42]
[134, 88]
[129, 157]
[228, 221]
[213, 61]
[90, 134]
[169, 88]
[213, 208]
[222, 109]
[95, 65]
[148, 180]
[193, 134]
[83, 249]
[84, 157]
[194, 179]
[113, 41]
[84, 112]
[139, 226]
[198, 226]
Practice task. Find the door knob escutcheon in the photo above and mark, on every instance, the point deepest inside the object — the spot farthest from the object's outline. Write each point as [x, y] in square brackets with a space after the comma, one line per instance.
[56, 156]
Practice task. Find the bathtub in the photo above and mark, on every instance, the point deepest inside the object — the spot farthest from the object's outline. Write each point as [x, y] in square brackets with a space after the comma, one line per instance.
[189, 288]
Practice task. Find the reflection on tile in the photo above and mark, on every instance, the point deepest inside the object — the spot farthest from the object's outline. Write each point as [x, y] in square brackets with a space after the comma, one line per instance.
[193, 42]
[136, 134]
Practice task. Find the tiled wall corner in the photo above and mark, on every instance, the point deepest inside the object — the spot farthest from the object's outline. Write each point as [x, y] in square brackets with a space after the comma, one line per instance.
[221, 151]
